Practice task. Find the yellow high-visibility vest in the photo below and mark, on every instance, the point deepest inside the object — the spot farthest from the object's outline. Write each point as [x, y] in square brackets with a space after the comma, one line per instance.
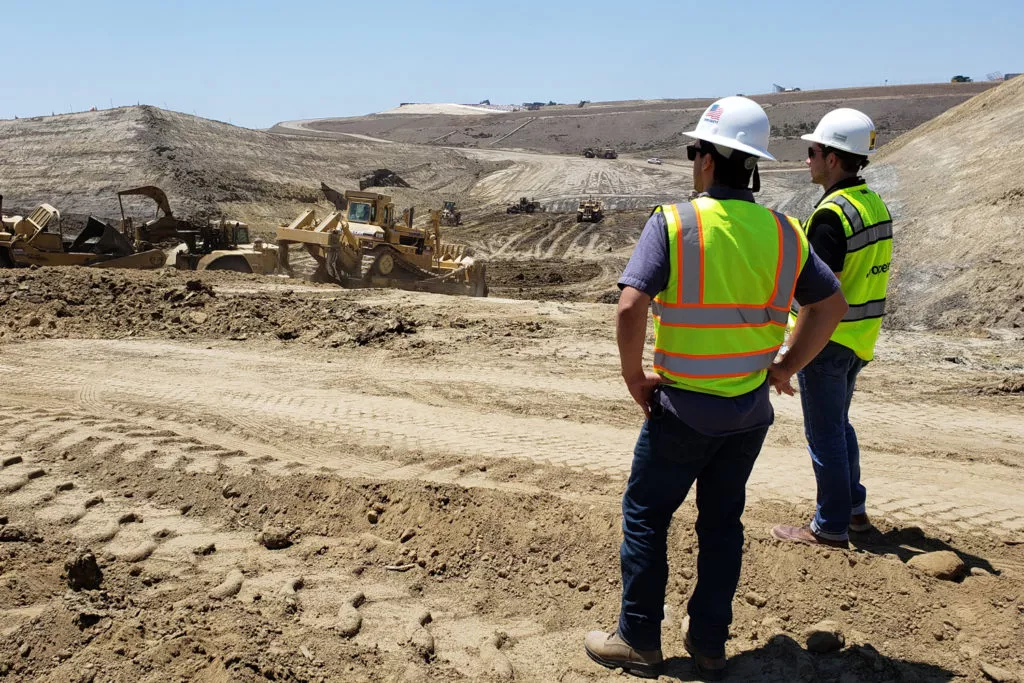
[865, 276]
[721, 318]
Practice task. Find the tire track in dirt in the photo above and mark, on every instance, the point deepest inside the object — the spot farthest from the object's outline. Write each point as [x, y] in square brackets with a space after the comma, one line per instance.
[908, 488]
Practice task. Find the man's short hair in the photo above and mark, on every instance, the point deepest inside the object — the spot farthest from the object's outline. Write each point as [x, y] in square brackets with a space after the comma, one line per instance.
[733, 171]
[849, 162]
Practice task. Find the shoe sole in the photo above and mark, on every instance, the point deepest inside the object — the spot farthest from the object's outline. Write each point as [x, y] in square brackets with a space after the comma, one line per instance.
[862, 528]
[637, 669]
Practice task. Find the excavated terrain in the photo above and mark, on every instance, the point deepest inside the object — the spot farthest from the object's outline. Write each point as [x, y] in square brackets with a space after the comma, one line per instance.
[650, 127]
[224, 477]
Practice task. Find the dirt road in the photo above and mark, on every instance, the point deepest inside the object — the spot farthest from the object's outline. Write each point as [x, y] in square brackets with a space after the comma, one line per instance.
[354, 401]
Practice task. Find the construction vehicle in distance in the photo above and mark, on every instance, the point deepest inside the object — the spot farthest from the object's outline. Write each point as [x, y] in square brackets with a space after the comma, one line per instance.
[363, 243]
[216, 245]
[525, 205]
[605, 153]
[590, 211]
[39, 240]
[450, 216]
[225, 245]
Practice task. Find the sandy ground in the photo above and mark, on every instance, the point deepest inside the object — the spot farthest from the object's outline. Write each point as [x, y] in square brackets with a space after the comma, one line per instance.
[295, 482]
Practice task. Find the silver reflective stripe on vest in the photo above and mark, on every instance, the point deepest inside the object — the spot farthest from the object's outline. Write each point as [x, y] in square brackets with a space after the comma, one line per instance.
[861, 236]
[865, 238]
[714, 367]
[790, 263]
[850, 211]
[718, 317]
[689, 237]
[872, 309]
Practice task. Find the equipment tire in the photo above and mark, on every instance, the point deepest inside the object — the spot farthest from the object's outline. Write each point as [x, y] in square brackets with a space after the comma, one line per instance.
[5, 259]
[237, 264]
[384, 264]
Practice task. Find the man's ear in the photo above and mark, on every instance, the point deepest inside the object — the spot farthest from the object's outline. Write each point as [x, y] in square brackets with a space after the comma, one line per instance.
[707, 162]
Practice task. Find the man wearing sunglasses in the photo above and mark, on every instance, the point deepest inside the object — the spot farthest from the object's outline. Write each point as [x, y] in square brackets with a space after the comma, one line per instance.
[851, 230]
[719, 274]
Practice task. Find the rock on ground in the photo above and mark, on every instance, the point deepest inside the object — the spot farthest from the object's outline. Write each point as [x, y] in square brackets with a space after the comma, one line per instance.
[944, 564]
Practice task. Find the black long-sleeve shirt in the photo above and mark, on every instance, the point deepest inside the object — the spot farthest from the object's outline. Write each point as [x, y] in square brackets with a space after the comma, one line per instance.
[826, 234]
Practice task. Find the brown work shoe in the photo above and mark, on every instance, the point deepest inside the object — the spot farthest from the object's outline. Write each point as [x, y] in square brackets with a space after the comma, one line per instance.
[608, 649]
[707, 668]
[860, 523]
[803, 534]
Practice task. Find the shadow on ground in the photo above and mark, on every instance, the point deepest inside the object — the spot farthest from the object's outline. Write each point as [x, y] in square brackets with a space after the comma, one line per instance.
[909, 542]
[782, 660]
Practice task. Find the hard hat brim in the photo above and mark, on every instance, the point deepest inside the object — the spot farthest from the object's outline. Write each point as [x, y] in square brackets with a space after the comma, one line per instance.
[731, 144]
[811, 137]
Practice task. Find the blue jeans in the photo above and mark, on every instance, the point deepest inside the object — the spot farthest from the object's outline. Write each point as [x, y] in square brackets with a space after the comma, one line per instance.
[826, 390]
[669, 456]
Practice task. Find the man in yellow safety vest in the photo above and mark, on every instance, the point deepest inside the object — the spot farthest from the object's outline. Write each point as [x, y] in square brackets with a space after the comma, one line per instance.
[719, 274]
[851, 230]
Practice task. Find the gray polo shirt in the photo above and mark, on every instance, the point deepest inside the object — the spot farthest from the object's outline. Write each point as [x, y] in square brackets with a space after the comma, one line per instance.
[648, 270]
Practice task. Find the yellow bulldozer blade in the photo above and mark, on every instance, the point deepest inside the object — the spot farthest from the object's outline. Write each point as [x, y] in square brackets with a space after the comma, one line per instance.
[144, 260]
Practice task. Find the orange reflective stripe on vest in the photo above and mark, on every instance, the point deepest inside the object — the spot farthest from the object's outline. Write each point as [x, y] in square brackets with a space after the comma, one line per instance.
[721, 318]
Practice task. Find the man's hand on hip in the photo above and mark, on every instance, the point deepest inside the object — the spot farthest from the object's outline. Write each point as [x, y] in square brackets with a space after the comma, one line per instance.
[641, 387]
[779, 378]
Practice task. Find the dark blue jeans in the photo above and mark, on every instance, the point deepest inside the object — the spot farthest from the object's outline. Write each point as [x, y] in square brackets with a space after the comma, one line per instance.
[826, 390]
[669, 456]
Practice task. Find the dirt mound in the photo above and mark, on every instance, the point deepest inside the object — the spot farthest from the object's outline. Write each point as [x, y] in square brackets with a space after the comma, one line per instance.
[381, 177]
[79, 302]
[78, 162]
[400, 580]
[954, 185]
[536, 279]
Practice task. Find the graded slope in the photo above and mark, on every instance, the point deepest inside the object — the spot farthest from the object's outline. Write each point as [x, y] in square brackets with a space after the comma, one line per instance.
[956, 190]
[79, 161]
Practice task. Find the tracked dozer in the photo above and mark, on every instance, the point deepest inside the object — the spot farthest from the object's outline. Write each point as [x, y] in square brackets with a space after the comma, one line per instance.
[363, 243]
[39, 240]
[590, 210]
[525, 205]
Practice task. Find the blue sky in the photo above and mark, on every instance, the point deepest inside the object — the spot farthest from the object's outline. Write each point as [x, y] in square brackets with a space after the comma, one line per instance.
[260, 62]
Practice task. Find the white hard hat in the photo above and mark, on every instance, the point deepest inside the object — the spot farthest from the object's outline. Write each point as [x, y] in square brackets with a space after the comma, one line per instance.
[737, 123]
[846, 129]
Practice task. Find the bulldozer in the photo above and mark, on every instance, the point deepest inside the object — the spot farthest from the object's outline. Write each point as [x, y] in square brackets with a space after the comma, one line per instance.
[217, 245]
[525, 205]
[39, 240]
[590, 210]
[364, 243]
[450, 216]
[605, 153]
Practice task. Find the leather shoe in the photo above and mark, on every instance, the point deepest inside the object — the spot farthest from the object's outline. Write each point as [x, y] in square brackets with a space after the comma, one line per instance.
[707, 668]
[610, 650]
[803, 534]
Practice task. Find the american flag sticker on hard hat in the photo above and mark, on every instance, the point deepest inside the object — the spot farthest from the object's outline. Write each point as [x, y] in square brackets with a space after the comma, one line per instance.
[713, 113]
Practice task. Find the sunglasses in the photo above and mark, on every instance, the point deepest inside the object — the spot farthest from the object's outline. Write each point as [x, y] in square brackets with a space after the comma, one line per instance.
[692, 151]
[811, 151]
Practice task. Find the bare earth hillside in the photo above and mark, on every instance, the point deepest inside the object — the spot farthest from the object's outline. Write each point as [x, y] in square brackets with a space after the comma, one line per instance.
[957, 187]
[650, 128]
